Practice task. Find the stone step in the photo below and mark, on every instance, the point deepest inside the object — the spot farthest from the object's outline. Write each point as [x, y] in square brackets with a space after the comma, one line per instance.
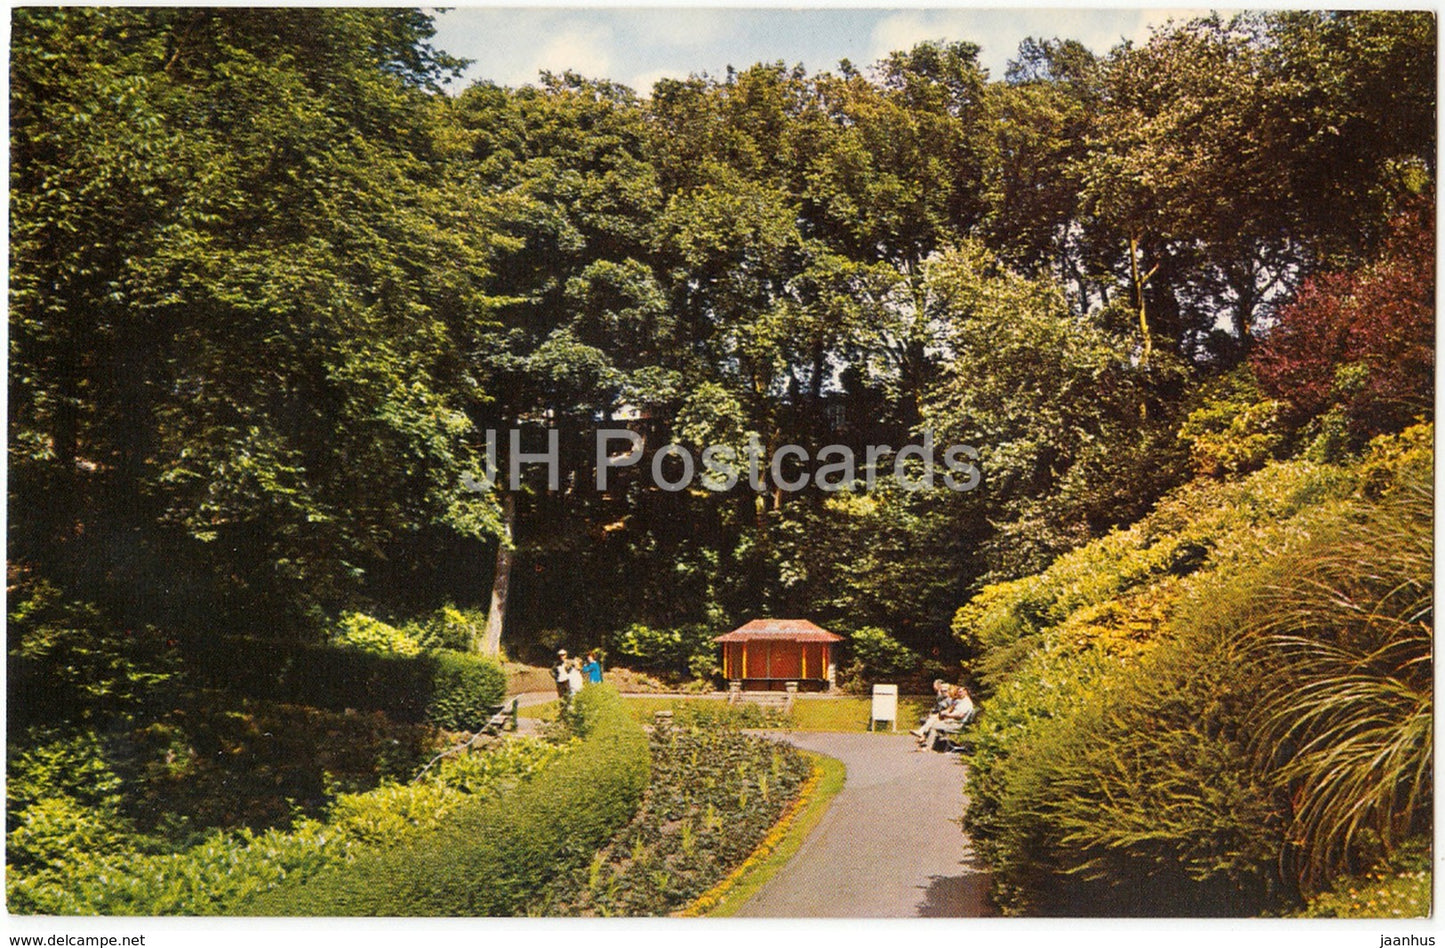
[781, 700]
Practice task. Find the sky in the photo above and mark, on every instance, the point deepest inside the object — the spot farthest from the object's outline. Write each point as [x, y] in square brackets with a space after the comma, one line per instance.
[639, 45]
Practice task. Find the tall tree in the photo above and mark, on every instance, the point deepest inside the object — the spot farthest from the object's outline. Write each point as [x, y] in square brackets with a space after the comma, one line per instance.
[237, 301]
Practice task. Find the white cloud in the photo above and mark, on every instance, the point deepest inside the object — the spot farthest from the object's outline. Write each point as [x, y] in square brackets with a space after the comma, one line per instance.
[587, 50]
[642, 82]
[904, 31]
[682, 27]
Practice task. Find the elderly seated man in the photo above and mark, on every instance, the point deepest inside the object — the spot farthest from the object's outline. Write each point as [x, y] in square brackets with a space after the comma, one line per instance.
[950, 720]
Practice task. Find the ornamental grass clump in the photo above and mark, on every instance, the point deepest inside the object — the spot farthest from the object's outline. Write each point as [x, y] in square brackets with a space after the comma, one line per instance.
[1346, 724]
[1234, 741]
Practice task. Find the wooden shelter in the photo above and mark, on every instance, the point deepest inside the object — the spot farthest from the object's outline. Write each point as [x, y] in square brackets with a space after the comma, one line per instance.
[769, 654]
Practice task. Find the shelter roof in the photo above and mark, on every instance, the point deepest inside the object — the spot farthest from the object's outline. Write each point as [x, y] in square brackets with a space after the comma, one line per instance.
[779, 630]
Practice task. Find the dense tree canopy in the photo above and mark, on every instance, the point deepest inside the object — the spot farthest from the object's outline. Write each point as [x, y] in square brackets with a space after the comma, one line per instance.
[271, 285]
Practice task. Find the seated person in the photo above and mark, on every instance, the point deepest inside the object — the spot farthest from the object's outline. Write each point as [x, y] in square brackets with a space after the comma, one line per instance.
[941, 698]
[950, 720]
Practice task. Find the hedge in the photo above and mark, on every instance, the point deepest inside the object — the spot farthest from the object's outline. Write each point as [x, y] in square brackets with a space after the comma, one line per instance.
[448, 689]
[497, 856]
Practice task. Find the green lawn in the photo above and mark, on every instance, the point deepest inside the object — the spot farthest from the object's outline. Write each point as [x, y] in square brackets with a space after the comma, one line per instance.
[810, 713]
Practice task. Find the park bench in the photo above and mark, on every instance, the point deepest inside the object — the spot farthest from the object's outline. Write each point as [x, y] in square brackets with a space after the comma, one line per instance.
[502, 715]
[957, 739]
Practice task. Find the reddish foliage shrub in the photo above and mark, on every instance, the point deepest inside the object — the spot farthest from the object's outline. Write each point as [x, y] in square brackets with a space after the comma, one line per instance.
[1361, 340]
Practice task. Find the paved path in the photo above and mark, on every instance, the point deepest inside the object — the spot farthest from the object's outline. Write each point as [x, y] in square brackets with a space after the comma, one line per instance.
[889, 846]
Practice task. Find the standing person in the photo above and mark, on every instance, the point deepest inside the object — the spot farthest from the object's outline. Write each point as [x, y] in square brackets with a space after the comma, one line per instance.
[593, 669]
[574, 677]
[559, 675]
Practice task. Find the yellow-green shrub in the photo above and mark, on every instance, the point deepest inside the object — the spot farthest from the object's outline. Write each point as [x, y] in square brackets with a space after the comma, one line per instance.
[356, 630]
[1166, 741]
[222, 874]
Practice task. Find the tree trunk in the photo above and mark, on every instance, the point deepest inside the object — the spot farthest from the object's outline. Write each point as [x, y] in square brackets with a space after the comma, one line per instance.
[1139, 298]
[497, 614]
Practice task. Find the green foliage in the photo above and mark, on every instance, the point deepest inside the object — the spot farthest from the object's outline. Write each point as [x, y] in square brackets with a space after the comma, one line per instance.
[462, 689]
[460, 630]
[53, 830]
[62, 798]
[1075, 434]
[68, 661]
[676, 649]
[714, 794]
[498, 856]
[1235, 431]
[879, 655]
[1202, 522]
[268, 281]
[1213, 732]
[1141, 798]
[258, 764]
[1398, 889]
[500, 768]
[359, 631]
[240, 208]
[1347, 720]
[448, 689]
[223, 873]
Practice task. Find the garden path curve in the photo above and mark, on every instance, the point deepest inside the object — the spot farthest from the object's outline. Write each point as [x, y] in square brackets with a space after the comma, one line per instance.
[889, 846]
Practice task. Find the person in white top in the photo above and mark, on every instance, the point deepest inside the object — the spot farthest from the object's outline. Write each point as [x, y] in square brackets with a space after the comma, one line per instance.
[574, 678]
[950, 720]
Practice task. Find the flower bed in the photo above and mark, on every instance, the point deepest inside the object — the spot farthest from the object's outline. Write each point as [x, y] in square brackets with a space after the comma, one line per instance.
[715, 796]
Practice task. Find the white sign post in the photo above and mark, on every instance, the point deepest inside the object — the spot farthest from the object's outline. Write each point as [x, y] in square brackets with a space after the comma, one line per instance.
[885, 705]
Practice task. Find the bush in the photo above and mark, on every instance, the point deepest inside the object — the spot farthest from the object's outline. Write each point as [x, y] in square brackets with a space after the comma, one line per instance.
[1225, 737]
[225, 871]
[1346, 720]
[70, 662]
[358, 631]
[208, 879]
[497, 856]
[443, 688]
[463, 688]
[62, 798]
[1398, 889]
[878, 655]
[673, 650]
[459, 630]
[1235, 430]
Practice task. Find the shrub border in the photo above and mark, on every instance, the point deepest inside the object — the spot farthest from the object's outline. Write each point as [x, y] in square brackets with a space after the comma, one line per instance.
[496, 840]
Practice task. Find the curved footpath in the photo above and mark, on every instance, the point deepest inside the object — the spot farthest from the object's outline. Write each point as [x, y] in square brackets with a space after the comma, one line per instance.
[890, 845]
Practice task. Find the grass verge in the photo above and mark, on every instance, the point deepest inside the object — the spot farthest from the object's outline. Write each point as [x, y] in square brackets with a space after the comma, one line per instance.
[848, 715]
[728, 896]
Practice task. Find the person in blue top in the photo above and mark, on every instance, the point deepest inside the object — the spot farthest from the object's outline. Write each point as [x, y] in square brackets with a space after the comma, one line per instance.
[592, 669]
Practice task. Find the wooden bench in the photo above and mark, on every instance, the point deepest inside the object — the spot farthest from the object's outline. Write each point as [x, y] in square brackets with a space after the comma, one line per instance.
[959, 740]
[501, 716]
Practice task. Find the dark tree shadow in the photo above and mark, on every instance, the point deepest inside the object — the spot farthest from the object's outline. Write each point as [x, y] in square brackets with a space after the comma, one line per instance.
[965, 895]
